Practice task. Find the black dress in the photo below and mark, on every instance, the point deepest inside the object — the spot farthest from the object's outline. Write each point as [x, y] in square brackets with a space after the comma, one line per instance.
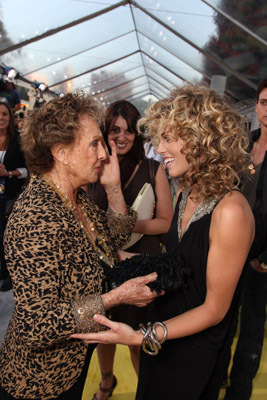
[192, 367]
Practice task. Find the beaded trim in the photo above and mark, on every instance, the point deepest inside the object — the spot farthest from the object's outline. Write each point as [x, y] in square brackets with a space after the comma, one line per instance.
[84, 310]
[120, 223]
[205, 207]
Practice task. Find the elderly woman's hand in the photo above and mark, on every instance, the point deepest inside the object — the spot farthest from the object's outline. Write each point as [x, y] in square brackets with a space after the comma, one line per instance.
[117, 333]
[110, 173]
[111, 181]
[134, 291]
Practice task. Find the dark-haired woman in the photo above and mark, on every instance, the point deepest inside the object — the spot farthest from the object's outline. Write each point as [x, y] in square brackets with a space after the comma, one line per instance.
[135, 169]
[12, 177]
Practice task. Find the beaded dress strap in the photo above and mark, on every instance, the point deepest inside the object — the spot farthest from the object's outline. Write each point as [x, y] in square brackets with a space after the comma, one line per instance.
[204, 208]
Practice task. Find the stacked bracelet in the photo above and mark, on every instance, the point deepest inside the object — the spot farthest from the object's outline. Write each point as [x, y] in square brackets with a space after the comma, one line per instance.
[151, 343]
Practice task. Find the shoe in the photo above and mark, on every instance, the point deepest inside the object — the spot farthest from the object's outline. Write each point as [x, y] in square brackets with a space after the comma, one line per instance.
[107, 390]
[6, 285]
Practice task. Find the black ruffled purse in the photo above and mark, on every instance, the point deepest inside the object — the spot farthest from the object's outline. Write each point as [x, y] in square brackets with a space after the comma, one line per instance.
[172, 273]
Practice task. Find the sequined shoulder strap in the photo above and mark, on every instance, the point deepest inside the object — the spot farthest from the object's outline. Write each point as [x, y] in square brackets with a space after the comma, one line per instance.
[203, 208]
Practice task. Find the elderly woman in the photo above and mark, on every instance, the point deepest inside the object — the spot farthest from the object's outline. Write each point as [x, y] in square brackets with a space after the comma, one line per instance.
[203, 144]
[56, 242]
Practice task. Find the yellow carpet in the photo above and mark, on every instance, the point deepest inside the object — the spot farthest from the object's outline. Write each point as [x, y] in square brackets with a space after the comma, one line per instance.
[127, 380]
[123, 369]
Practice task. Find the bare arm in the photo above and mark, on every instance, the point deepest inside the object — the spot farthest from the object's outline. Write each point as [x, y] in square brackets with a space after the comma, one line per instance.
[164, 209]
[231, 235]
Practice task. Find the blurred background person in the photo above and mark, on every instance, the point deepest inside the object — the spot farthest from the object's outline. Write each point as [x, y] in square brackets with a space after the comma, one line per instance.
[253, 310]
[21, 121]
[151, 151]
[15, 121]
[10, 93]
[120, 126]
[12, 177]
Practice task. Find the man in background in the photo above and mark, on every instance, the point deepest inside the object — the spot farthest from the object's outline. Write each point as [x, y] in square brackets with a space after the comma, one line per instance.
[253, 311]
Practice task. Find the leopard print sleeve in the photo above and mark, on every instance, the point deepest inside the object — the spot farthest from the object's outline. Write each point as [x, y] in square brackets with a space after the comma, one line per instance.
[43, 315]
[118, 226]
[52, 265]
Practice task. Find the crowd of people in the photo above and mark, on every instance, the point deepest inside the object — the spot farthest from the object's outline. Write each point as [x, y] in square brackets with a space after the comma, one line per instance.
[68, 180]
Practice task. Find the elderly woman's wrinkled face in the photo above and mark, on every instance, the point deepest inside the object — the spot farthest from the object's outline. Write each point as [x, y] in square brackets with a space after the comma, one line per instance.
[84, 157]
[4, 117]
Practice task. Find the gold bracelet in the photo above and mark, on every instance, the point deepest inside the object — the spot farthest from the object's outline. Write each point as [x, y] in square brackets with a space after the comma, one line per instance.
[10, 175]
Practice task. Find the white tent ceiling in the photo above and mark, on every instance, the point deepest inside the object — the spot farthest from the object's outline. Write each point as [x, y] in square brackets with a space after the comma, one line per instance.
[134, 49]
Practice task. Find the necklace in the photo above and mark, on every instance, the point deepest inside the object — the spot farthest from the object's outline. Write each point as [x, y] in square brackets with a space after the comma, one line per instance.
[205, 207]
[98, 241]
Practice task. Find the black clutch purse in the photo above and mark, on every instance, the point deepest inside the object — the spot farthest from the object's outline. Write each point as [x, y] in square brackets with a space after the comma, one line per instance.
[172, 273]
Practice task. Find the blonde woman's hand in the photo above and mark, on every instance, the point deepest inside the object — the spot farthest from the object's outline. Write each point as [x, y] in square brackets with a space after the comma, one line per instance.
[117, 333]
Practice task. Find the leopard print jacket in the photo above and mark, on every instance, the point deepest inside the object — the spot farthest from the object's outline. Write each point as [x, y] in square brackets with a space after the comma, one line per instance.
[52, 264]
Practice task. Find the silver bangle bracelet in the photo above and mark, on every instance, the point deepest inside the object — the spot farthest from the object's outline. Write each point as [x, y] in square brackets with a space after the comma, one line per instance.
[151, 343]
[164, 327]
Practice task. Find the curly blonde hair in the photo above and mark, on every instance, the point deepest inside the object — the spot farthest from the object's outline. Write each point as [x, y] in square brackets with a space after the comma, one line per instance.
[55, 122]
[216, 142]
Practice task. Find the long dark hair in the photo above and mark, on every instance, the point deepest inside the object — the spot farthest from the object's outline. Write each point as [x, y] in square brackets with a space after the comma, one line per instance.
[126, 110]
[10, 128]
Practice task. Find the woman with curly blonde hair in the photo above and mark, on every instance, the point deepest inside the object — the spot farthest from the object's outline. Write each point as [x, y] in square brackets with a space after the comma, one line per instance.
[215, 142]
[201, 139]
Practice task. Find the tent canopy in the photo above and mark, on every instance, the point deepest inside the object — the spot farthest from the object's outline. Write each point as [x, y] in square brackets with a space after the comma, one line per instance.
[134, 49]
